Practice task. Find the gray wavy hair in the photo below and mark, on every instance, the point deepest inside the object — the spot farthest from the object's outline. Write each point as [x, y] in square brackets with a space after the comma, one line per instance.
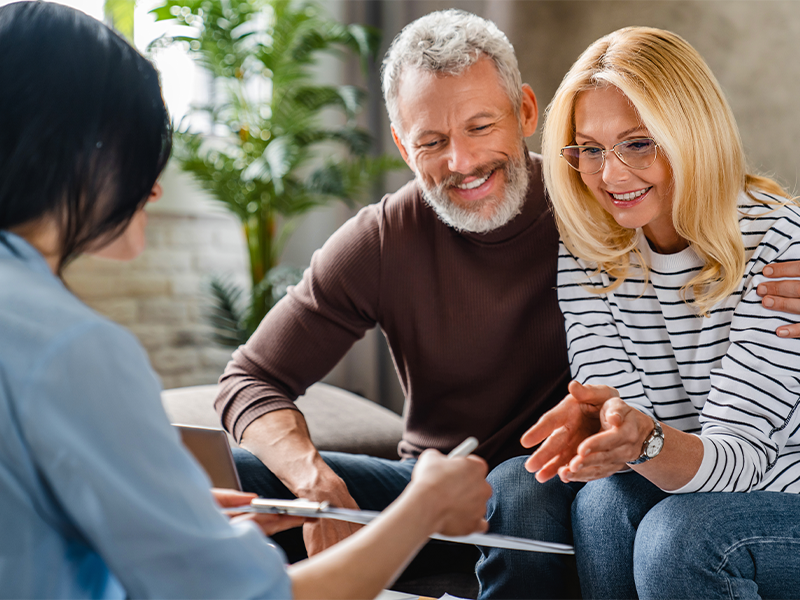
[448, 42]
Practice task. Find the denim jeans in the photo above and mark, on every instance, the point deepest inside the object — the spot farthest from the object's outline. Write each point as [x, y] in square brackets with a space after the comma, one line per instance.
[520, 507]
[633, 540]
[523, 507]
[374, 483]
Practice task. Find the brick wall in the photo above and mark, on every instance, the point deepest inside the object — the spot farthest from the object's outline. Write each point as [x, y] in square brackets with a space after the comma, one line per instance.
[161, 295]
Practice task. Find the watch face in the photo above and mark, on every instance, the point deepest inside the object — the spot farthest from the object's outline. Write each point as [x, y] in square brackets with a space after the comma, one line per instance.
[654, 446]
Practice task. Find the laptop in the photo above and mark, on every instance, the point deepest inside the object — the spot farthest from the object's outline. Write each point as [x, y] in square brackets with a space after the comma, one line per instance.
[211, 449]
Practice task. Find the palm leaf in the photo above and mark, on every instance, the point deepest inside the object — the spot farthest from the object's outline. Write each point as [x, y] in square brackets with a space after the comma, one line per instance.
[270, 160]
[225, 313]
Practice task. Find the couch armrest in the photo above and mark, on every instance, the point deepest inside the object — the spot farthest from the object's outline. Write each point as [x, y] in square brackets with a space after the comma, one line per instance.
[337, 419]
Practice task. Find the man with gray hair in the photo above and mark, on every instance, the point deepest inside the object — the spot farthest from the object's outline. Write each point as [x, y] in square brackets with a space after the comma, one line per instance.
[458, 268]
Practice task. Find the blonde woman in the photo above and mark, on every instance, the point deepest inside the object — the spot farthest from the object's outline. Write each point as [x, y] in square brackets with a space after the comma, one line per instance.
[680, 384]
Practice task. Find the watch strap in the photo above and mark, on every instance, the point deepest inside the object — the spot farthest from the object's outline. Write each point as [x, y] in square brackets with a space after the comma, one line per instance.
[656, 433]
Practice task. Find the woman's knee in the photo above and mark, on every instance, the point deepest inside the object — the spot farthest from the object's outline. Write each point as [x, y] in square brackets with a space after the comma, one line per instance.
[675, 537]
[522, 505]
[614, 505]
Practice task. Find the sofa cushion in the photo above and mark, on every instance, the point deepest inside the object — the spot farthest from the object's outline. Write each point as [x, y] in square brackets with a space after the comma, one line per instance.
[337, 419]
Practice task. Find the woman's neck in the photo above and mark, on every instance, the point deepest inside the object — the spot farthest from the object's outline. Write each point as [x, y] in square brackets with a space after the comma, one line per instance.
[43, 235]
[666, 242]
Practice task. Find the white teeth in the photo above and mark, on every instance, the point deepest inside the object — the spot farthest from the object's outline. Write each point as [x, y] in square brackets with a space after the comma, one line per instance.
[629, 195]
[473, 184]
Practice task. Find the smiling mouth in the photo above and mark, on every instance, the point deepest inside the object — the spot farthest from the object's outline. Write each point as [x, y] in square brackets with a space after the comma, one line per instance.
[475, 183]
[628, 196]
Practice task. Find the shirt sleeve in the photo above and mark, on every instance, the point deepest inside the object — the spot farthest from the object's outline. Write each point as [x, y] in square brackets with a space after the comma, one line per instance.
[751, 413]
[92, 417]
[595, 347]
[306, 334]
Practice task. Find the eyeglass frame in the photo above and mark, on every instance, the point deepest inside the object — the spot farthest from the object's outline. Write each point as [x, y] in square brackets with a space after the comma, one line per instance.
[604, 151]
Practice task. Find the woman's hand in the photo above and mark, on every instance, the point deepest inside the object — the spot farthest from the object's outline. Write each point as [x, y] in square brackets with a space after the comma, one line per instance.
[453, 490]
[623, 430]
[269, 524]
[564, 427]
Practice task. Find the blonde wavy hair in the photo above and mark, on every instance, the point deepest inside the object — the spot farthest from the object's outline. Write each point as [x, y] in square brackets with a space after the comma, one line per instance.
[681, 104]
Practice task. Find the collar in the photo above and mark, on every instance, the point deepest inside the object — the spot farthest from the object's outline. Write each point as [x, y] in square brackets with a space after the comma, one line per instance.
[14, 247]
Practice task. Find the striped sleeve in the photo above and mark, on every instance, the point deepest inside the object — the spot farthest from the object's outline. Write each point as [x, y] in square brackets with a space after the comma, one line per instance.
[750, 422]
[597, 354]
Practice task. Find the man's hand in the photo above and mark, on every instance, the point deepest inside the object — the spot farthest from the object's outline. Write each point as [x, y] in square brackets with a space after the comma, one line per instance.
[269, 524]
[564, 427]
[453, 490]
[782, 296]
[323, 533]
[281, 441]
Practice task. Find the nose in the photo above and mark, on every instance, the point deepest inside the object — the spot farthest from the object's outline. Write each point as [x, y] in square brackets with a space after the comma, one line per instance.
[462, 156]
[614, 170]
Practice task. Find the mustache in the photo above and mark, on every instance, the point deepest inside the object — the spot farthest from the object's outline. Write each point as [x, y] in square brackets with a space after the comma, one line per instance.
[478, 173]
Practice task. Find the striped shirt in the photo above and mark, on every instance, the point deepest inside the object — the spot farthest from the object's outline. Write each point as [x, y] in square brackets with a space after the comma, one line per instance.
[727, 377]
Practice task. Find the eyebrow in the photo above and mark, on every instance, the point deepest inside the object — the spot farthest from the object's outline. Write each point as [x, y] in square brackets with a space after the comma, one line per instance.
[624, 134]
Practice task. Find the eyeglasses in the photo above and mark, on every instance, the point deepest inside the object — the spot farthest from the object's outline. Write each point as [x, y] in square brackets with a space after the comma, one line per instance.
[638, 153]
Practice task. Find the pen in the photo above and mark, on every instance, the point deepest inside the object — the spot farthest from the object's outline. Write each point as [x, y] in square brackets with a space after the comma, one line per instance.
[464, 448]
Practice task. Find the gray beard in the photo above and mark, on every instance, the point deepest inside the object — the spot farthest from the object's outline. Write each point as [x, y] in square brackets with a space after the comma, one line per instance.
[515, 171]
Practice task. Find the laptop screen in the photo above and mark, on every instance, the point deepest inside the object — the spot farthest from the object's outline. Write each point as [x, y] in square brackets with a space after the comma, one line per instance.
[211, 449]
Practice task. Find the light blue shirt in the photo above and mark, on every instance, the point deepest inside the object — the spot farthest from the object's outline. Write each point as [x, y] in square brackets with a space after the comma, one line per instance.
[98, 499]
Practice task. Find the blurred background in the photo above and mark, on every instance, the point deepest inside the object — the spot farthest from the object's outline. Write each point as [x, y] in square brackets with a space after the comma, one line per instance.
[753, 47]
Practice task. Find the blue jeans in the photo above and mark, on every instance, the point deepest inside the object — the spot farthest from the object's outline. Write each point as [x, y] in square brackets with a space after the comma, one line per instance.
[633, 540]
[523, 507]
[520, 507]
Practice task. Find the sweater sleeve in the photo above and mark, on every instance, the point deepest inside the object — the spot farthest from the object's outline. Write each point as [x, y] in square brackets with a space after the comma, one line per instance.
[597, 354]
[750, 421]
[306, 334]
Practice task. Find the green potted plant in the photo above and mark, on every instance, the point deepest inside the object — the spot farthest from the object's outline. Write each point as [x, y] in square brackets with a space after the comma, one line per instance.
[270, 158]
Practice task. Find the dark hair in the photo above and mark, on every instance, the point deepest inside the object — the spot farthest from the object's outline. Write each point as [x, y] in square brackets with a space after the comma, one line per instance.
[84, 132]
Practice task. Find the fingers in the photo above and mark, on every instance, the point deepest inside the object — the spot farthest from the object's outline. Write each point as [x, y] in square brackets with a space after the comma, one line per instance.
[573, 420]
[610, 450]
[454, 490]
[591, 394]
[227, 498]
[551, 468]
[549, 422]
[781, 296]
[785, 269]
[567, 413]
[270, 524]
[555, 452]
[788, 331]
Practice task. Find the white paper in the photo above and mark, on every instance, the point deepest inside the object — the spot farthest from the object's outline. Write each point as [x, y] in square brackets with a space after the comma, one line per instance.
[323, 511]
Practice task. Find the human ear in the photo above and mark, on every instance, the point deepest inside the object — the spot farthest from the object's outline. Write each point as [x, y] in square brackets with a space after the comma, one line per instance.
[529, 111]
[400, 146]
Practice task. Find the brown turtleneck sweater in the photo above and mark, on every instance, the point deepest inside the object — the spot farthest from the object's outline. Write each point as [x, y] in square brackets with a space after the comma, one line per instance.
[472, 321]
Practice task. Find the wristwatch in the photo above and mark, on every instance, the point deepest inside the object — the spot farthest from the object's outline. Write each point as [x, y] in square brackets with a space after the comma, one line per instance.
[653, 444]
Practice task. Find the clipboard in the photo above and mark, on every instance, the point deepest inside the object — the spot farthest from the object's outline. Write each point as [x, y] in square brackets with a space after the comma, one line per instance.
[323, 510]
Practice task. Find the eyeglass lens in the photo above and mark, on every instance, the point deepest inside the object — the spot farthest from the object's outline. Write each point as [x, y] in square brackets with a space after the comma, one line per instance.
[637, 154]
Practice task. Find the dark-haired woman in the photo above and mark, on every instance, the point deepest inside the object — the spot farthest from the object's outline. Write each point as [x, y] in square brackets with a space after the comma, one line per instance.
[97, 497]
